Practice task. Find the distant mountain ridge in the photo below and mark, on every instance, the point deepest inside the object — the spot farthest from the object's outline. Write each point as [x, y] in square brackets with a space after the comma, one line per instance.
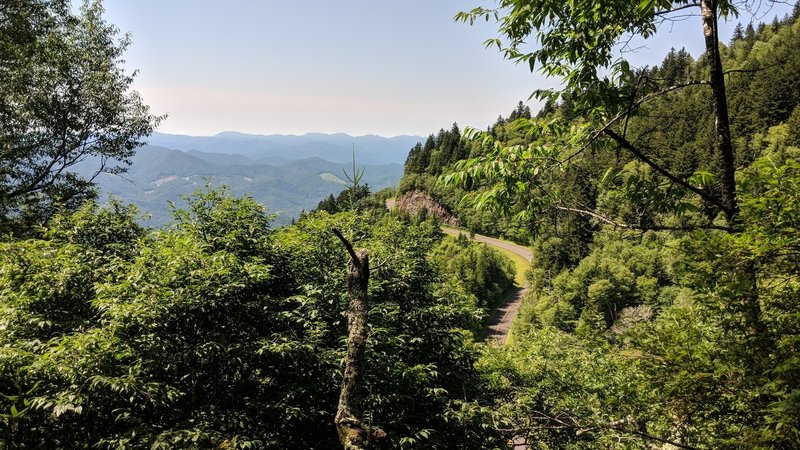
[159, 175]
[276, 149]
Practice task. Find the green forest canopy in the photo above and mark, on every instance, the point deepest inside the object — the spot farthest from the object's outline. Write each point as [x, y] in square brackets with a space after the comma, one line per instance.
[656, 314]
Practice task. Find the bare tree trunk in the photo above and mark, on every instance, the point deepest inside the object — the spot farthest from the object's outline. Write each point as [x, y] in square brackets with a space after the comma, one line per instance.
[353, 434]
[751, 307]
[726, 167]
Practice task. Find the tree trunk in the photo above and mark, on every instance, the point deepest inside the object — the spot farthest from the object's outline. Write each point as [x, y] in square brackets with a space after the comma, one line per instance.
[353, 434]
[725, 161]
[726, 168]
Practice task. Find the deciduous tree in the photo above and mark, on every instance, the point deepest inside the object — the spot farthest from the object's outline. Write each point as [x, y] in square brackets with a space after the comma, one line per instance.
[64, 99]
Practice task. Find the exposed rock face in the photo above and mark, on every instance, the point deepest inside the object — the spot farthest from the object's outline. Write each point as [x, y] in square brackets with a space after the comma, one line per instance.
[415, 201]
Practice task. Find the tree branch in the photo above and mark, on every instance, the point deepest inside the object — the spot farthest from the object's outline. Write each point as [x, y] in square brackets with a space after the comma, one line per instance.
[628, 226]
[632, 107]
[653, 438]
[687, 6]
[755, 70]
[616, 426]
[624, 143]
[41, 181]
[346, 244]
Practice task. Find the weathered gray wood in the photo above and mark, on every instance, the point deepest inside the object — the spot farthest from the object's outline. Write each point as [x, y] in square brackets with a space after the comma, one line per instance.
[353, 433]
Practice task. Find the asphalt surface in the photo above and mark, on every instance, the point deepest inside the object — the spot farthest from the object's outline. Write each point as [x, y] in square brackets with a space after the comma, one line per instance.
[500, 321]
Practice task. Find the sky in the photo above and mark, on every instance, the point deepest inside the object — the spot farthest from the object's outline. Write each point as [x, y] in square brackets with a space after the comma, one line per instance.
[384, 67]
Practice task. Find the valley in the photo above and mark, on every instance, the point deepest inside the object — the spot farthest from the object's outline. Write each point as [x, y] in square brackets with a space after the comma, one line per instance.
[286, 174]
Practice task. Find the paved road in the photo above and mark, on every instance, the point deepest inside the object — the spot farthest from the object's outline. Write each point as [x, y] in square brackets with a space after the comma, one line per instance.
[525, 252]
[503, 316]
[500, 322]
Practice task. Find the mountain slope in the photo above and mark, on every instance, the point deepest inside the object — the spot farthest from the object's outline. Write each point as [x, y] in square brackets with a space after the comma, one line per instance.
[272, 149]
[160, 175]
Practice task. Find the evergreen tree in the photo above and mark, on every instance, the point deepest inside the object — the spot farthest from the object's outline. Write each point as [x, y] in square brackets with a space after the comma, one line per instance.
[415, 161]
[674, 69]
[738, 33]
[793, 125]
[548, 108]
[350, 199]
[521, 111]
[750, 33]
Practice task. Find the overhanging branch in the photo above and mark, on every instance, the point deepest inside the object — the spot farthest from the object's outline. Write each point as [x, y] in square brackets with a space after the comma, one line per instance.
[624, 143]
[629, 226]
[347, 245]
[633, 106]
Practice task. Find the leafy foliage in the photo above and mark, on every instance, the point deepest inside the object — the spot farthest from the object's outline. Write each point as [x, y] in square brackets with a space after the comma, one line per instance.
[650, 319]
[480, 270]
[65, 98]
[223, 332]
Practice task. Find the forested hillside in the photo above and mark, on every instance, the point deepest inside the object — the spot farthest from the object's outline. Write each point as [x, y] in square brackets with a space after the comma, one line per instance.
[662, 205]
[439, 155]
[664, 289]
[160, 176]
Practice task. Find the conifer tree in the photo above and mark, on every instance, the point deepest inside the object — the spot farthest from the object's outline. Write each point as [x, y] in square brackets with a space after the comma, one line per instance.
[738, 33]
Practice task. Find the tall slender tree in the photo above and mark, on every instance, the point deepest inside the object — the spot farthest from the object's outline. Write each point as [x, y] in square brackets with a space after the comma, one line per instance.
[579, 43]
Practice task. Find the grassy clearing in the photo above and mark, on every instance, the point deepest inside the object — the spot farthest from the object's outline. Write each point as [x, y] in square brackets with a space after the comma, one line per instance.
[520, 263]
[327, 176]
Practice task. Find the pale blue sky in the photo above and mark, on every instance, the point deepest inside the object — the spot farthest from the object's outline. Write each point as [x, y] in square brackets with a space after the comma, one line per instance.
[355, 66]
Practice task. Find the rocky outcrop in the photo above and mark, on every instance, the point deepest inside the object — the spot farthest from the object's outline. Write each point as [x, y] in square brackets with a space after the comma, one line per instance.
[414, 202]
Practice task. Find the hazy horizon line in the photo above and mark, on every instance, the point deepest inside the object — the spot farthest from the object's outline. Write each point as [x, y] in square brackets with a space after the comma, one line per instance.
[289, 134]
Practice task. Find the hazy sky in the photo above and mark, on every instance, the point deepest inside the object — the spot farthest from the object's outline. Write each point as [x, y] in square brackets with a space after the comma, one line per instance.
[355, 66]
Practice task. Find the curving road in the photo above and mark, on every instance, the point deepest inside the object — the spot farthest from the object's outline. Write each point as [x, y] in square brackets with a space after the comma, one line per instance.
[500, 322]
[497, 329]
